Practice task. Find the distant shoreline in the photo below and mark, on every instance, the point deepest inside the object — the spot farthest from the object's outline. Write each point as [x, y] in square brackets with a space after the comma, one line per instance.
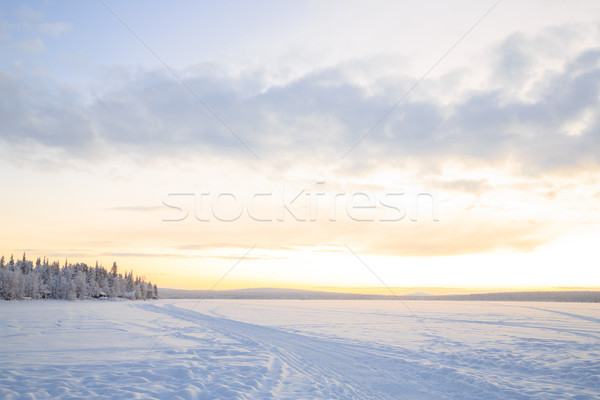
[579, 296]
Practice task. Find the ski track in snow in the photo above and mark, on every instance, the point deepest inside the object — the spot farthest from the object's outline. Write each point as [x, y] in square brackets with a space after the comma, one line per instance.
[190, 349]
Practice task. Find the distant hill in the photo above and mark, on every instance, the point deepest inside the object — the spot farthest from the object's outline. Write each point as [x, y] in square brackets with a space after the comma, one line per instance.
[298, 294]
[571, 296]
[419, 294]
[266, 293]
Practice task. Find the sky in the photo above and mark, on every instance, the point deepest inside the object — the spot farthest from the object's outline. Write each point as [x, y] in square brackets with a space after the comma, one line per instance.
[338, 145]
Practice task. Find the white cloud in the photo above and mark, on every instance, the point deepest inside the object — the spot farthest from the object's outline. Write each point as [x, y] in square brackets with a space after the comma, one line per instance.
[27, 14]
[53, 28]
[31, 46]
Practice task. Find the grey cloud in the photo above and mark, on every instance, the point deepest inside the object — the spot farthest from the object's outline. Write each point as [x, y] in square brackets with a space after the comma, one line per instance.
[55, 117]
[316, 116]
[533, 132]
[513, 59]
[588, 60]
[158, 111]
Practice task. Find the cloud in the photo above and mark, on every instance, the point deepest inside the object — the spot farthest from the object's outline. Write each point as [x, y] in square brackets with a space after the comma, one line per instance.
[209, 245]
[474, 186]
[54, 28]
[462, 237]
[43, 113]
[26, 13]
[185, 256]
[461, 234]
[144, 255]
[136, 208]
[513, 59]
[322, 114]
[30, 46]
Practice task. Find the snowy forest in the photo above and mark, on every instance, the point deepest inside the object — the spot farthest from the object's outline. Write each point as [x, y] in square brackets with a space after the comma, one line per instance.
[22, 279]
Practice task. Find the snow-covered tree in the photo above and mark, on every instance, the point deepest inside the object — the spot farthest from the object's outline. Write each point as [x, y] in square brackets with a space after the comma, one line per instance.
[114, 270]
[23, 279]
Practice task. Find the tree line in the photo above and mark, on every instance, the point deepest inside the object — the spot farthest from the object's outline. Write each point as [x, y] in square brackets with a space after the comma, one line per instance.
[23, 279]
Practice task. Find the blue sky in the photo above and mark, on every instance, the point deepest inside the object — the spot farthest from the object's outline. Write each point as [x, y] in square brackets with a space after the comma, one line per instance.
[492, 108]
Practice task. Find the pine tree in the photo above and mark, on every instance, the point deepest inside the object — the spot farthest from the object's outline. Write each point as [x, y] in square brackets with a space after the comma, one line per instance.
[114, 269]
[73, 281]
[79, 281]
[129, 282]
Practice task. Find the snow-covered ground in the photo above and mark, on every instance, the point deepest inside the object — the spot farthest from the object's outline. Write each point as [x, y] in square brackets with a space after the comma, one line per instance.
[278, 349]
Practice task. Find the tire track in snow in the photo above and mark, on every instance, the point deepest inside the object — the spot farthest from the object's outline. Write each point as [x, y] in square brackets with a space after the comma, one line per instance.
[340, 370]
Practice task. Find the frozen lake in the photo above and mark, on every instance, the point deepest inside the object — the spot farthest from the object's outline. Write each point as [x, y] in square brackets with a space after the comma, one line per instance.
[285, 349]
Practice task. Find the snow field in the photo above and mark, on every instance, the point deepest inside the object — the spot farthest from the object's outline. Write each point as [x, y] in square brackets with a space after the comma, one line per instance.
[286, 349]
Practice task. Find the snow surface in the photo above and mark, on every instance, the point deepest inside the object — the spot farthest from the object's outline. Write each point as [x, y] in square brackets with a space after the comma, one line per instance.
[287, 349]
